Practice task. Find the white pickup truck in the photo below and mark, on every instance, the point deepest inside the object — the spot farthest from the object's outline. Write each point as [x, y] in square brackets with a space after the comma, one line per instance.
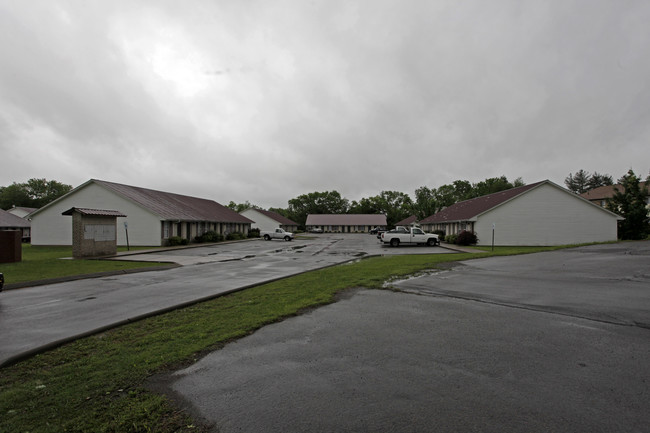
[277, 234]
[409, 236]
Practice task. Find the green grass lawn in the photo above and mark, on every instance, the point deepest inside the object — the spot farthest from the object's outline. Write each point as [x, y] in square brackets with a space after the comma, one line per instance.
[96, 384]
[41, 262]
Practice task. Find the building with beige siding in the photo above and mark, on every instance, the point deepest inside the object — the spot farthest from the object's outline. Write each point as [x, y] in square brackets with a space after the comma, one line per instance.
[268, 220]
[345, 223]
[152, 216]
[541, 213]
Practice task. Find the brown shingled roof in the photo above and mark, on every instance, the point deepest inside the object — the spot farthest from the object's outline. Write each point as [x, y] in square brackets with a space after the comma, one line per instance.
[277, 217]
[170, 206]
[9, 220]
[407, 221]
[604, 192]
[468, 209]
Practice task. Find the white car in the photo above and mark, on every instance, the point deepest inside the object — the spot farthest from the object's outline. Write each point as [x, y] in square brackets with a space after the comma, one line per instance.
[277, 234]
[409, 236]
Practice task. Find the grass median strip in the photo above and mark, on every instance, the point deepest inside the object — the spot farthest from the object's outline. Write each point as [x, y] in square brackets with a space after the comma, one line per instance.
[96, 383]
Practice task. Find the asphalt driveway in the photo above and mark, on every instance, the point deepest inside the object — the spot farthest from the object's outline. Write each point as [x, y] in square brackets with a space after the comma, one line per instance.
[545, 342]
[37, 318]
[610, 283]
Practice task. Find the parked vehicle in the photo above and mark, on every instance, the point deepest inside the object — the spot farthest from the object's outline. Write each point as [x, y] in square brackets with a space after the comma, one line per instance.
[317, 230]
[378, 231]
[277, 234]
[409, 236]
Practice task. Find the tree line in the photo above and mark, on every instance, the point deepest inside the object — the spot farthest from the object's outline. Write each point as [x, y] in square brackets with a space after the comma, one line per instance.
[630, 199]
[395, 205]
[34, 193]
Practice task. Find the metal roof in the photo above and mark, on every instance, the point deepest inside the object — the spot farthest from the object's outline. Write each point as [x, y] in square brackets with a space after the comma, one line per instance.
[94, 212]
[346, 220]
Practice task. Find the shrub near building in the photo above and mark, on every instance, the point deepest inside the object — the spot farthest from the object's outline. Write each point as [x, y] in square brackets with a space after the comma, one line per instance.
[466, 238]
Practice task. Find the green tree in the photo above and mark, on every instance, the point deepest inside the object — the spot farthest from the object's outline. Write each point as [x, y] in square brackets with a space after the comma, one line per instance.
[43, 191]
[630, 201]
[463, 190]
[578, 182]
[445, 196]
[425, 203]
[583, 181]
[596, 180]
[431, 200]
[394, 204]
[328, 202]
[280, 211]
[14, 195]
[34, 193]
[490, 186]
[240, 207]
[367, 205]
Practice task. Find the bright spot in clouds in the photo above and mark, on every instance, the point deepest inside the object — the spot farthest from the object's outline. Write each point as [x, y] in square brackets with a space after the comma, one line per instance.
[182, 69]
[162, 56]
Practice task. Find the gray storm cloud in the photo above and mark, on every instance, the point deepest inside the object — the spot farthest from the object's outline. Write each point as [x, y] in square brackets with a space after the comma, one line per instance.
[263, 102]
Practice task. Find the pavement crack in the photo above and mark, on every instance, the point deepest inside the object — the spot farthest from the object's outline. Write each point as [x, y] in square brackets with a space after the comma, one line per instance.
[538, 309]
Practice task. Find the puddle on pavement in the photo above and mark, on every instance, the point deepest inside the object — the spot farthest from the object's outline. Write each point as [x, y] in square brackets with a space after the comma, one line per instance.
[235, 259]
[421, 274]
[290, 249]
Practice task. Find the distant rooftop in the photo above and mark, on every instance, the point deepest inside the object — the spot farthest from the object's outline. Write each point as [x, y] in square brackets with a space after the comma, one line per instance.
[346, 220]
[604, 192]
[277, 217]
[11, 221]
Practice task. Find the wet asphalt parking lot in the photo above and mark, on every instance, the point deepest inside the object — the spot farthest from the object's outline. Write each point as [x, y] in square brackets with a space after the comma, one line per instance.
[36, 318]
[544, 342]
[547, 342]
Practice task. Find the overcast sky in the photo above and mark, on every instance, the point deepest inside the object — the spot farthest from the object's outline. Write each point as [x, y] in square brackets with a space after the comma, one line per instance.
[264, 100]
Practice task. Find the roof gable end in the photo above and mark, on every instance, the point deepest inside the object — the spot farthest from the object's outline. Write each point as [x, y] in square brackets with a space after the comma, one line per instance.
[276, 217]
[469, 209]
[167, 206]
